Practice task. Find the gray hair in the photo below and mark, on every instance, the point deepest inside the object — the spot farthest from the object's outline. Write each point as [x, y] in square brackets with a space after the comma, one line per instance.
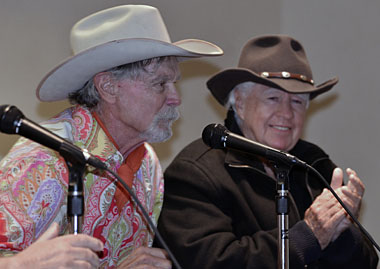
[88, 95]
[245, 89]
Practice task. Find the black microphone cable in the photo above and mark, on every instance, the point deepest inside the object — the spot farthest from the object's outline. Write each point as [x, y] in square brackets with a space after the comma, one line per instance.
[360, 226]
[13, 121]
[151, 225]
[216, 136]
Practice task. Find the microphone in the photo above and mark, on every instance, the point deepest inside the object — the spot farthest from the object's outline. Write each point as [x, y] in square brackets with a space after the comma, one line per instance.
[217, 136]
[13, 121]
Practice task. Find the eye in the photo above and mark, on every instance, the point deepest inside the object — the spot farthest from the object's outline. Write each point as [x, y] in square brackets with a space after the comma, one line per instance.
[159, 86]
[273, 98]
[298, 102]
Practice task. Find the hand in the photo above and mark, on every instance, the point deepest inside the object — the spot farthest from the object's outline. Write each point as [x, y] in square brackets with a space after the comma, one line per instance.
[351, 195]
[326, 217]
[53, 251]
[147, 258]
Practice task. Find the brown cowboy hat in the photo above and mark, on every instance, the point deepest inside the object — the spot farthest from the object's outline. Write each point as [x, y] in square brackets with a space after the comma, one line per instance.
[278, 61]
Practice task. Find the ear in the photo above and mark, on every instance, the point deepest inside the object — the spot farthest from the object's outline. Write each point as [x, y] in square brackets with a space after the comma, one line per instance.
[239, 104]
[106, 87]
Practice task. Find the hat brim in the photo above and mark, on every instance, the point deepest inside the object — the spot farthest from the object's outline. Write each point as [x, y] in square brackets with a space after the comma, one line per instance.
[222, 83]
[75, 71]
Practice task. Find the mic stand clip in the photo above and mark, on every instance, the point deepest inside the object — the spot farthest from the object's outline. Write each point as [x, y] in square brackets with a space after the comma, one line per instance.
[76, 164]
[282, 210]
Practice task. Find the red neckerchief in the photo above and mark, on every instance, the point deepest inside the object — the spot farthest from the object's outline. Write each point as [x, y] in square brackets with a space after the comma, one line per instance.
[127, 169]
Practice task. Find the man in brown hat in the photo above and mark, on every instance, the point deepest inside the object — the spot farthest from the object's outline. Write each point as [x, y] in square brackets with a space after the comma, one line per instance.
[121, 80]
[219, 204]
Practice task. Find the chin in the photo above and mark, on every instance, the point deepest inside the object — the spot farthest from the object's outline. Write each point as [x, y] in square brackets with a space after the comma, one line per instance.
[280, 146]
[159, 136]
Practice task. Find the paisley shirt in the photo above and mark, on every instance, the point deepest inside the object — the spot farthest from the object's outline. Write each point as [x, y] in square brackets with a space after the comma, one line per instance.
[34, 182]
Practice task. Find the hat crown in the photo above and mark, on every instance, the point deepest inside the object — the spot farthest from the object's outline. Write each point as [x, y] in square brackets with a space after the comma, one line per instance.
[117, 23]
[276, 61]
[275, 53]
[112, 37]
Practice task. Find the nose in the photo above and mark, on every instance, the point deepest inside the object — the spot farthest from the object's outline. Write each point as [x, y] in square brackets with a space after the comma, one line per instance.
[285, 109]
[173, 98]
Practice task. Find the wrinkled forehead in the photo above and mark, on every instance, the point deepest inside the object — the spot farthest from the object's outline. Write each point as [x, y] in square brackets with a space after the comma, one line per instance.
[304, 96]
[167, 69]
[266, 90]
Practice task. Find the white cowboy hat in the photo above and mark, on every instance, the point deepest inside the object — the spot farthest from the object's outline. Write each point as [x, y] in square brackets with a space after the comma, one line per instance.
[113, 37]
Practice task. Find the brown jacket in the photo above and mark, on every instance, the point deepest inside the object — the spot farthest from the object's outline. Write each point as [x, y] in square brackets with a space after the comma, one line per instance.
[219, 212]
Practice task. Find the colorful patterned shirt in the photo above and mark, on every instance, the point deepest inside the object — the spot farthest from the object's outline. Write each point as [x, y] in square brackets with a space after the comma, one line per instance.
[34, 182]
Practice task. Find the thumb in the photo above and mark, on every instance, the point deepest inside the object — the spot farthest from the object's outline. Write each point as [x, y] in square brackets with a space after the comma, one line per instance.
[337, 178]
[50, 233]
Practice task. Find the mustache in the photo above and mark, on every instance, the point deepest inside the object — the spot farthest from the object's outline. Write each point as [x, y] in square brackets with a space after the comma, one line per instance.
[170, 113]
[160, 128]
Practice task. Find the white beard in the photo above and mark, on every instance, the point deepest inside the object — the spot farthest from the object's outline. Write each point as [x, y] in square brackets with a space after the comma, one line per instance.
[160, 129]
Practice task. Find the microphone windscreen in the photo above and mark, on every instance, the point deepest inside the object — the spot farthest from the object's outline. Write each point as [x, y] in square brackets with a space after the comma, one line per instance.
[212, 135]
[9, 115]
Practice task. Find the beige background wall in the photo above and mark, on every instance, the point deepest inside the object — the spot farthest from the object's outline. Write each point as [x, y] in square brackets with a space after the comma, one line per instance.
[341, 38]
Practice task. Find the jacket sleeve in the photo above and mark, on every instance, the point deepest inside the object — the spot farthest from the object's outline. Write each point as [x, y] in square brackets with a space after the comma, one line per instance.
[350, 250]
[200, 232]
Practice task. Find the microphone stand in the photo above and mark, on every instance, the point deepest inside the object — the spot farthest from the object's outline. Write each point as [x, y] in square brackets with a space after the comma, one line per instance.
[75, 198]
[282, 210]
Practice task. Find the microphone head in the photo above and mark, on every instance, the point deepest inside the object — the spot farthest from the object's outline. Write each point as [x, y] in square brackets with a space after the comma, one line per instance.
[9, 117]
[212, 135]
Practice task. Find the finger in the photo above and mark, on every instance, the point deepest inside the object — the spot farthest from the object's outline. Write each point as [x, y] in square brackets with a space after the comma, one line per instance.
[354, 183]
[350, 194]
[325, 200]
[350, 171]
[145, 266]
[323, 222]
[50, 233]
[337, 178]
[157, 252]
[86, 241]
[147, 256]
[333, 217]
[155, 262]
[346, 196]
[85, 256]
[337, 217]
[351, 199]
[336, 213]
[323, 212]
[77, 264]
[83, 264]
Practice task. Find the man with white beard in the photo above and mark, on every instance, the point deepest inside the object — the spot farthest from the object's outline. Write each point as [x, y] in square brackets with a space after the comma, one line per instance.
[121, 80]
